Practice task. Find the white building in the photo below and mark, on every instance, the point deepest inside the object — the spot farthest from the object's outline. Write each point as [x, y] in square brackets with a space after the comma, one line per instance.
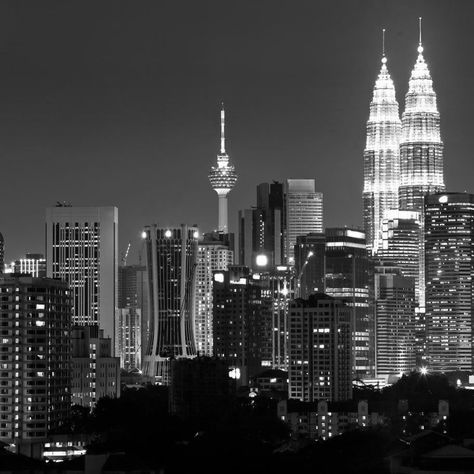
[81, 249]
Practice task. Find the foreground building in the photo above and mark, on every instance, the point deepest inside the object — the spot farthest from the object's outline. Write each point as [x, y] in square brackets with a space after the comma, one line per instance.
[320, 349]
[381, 157]
[449, 251]
[35, 315]
[171, 259]
[82, 250]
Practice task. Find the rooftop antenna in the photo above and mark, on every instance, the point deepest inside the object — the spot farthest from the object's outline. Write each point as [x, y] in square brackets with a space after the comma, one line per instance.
[222, 129]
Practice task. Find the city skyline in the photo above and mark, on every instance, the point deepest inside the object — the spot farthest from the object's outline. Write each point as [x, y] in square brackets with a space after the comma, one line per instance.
[296, 84]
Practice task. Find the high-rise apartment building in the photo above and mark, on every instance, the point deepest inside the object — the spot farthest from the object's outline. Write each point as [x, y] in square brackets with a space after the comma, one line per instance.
[95, 373]
[171, 260]
[381, 157]
[395, 318]
[82, 250]
[35, 379]
[223, 179]
[449, 263]
[320, 349]
[421, 148]
[132, 324]
[213, 255]
[348, 271]
[303, 212]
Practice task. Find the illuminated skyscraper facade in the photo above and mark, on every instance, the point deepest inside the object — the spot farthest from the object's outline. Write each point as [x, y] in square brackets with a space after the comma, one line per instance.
[171, 259]
[223, 178]
[213, 255]
[82, 249]
[421, 148]
[449, 263]
[381, 157]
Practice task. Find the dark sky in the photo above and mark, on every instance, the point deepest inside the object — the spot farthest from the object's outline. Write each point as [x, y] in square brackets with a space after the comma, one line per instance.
[117, 103]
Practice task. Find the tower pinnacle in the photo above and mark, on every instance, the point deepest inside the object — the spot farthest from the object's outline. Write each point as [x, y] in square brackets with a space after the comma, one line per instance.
[420, 45]
[223, 178]
[384, 58]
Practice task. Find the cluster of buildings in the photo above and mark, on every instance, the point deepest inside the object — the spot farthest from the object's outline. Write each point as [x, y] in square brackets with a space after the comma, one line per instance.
[326, 305]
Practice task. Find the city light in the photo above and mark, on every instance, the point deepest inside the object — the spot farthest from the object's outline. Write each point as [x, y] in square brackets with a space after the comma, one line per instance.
[423, 371]
[261, 260]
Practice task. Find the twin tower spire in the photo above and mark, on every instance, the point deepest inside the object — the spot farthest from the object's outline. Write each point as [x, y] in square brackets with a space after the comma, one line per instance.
[403, 159]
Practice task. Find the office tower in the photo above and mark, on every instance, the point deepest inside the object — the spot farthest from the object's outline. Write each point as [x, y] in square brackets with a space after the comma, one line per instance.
[238, 314]
[171, 260]
[95, 373]
[348, 272]
[261, 229]
[277, 290]
[449, 257]
[199, 387]
[81, 249]
[35, 356]
[213, 255]
[132, 325]
[2, 254]
[303, 212]
[320, 349]
[223, 178]
[395, 321]
[310, 264]
[381, 156]
[33, 264]
[421, 148]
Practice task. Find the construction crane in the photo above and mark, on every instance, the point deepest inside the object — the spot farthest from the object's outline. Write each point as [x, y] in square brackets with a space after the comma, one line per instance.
[125, 255]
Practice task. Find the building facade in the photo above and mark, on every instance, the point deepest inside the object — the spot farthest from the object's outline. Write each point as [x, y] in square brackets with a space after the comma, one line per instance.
[35, 384]
[348, 278]
[213, 255]
[319, 347]
[303, 212]
[381, 157]
[395, 320]
[33, 264]
[82, 250]
[449, 263]
[95, 373]
[171, 260]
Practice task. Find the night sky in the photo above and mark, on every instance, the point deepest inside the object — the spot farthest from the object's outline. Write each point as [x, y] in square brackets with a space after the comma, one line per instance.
[117, 102]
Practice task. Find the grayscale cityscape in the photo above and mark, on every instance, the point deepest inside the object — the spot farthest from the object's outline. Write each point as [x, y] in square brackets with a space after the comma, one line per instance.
[237, 237]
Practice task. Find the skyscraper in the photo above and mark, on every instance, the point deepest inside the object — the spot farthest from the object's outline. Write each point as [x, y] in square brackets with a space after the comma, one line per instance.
[319, 349]
[35, 379]
[381, 156]
[223, 178]
[261, 229]
[421, 148]
[303, 212]
[82, 249]
[348, 272]
[449, 250]
[394, 297]
[213, 255]
[2, 254]
[171, 259]
[33, 264]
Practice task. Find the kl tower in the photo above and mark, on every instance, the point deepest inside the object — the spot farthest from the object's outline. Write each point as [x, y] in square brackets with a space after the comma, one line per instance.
[223, 178]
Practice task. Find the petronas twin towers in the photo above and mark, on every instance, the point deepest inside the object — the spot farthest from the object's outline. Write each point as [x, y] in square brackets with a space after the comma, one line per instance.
[403, 160]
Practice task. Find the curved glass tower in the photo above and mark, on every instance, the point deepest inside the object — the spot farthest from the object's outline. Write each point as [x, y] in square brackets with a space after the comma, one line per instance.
[223, 178]
[421, 148]
[381, 157]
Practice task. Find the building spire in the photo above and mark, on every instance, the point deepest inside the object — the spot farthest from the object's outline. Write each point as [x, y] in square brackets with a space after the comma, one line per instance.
[222, 129]
[384, 58]
[420, 45]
